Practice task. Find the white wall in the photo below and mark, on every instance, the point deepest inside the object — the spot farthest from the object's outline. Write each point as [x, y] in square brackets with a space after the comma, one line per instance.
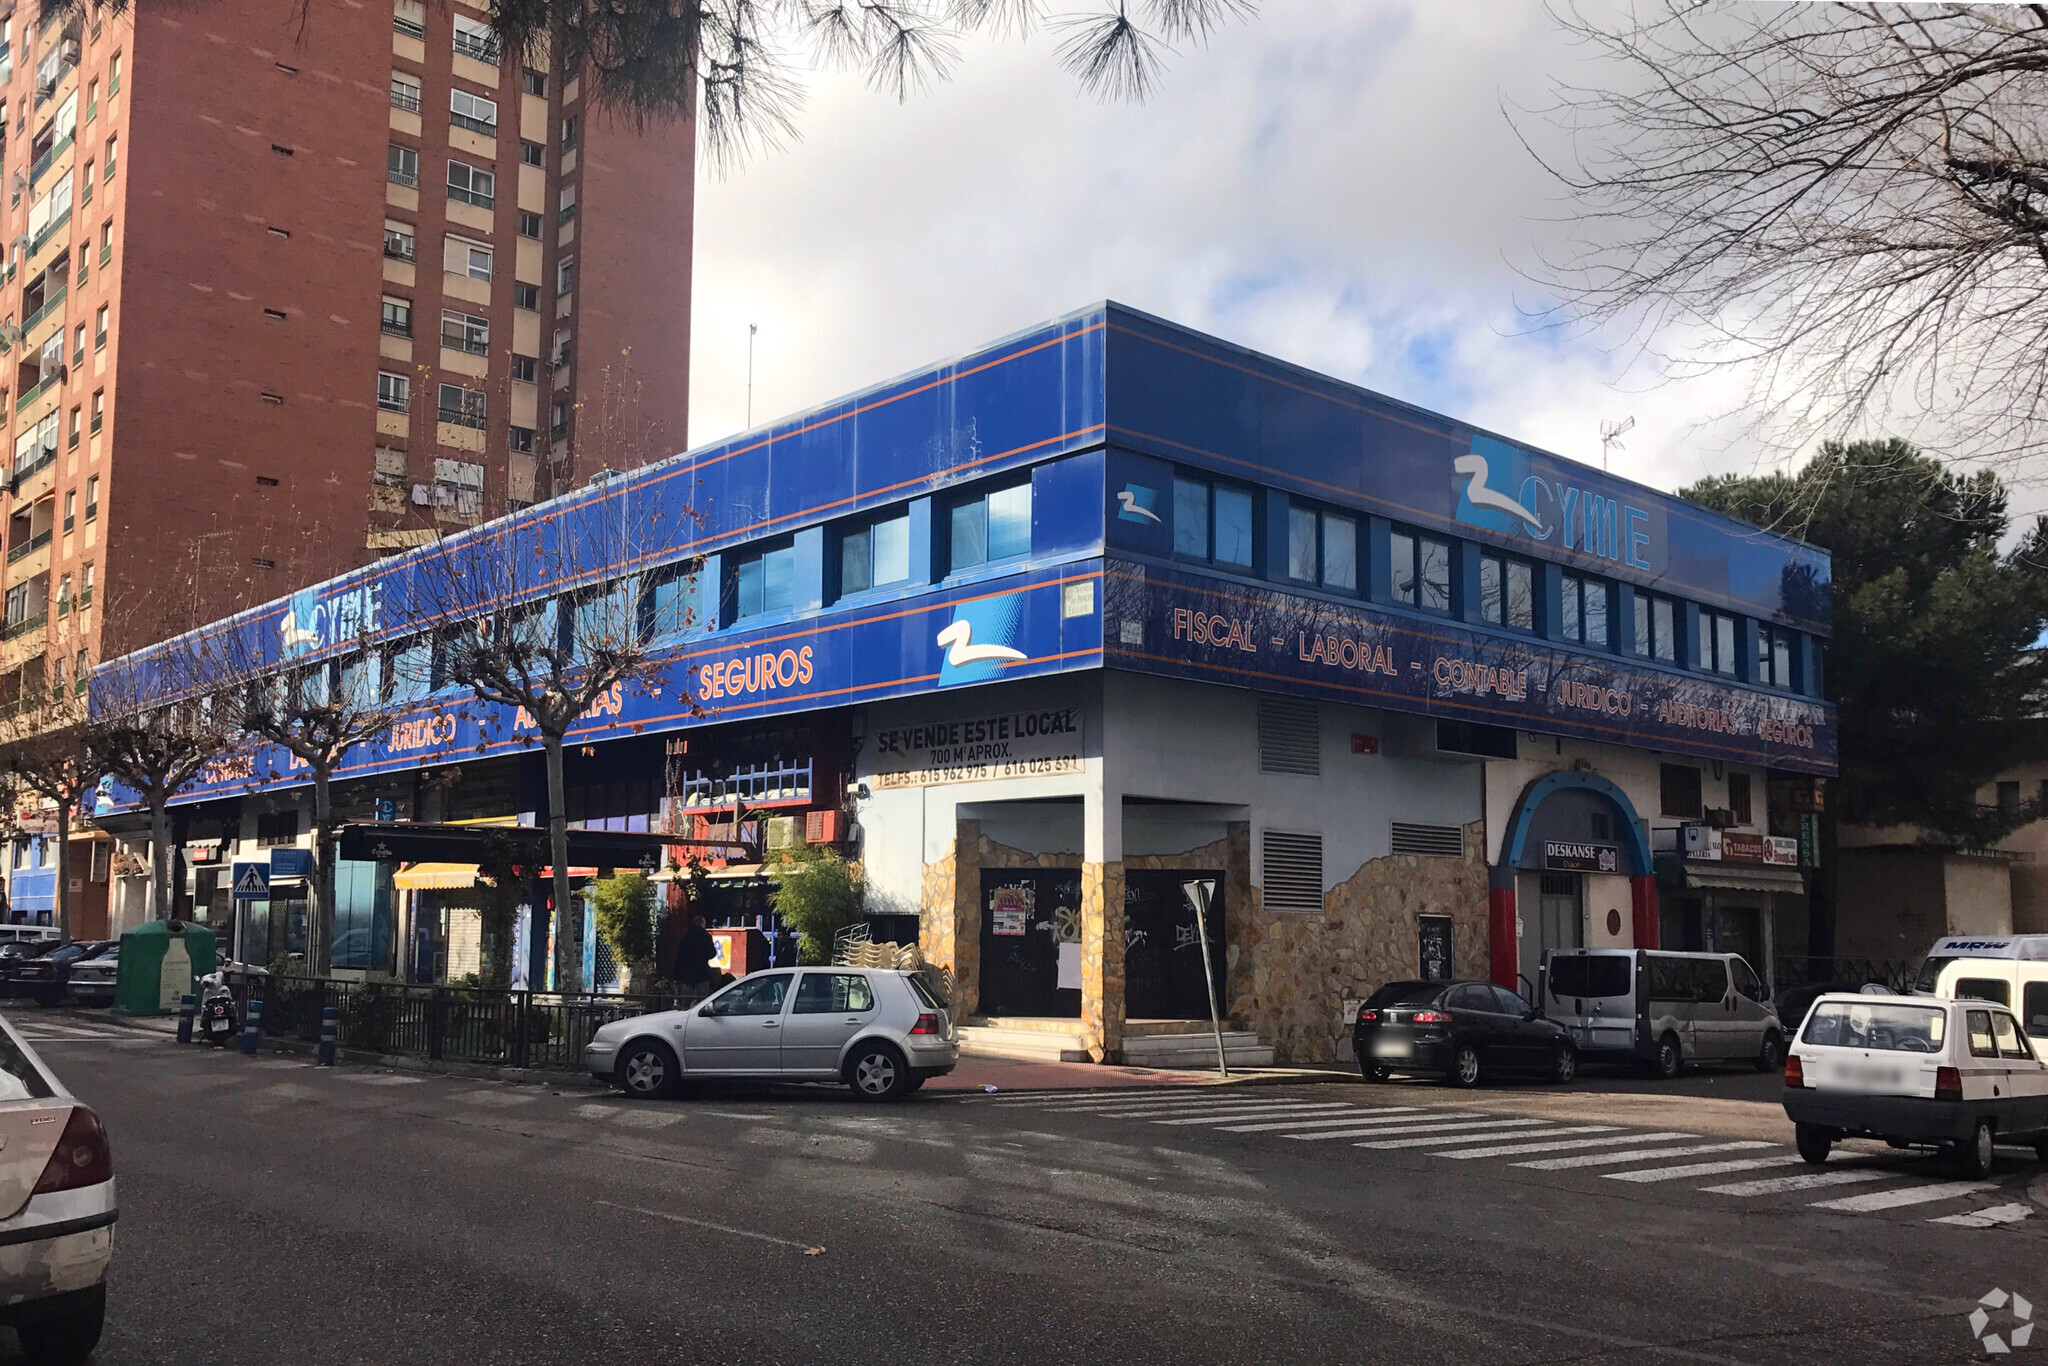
[1634, 771]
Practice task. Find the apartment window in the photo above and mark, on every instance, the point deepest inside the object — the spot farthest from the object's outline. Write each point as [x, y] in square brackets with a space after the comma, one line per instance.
[1716, 644]
[79, 673]
[114, 74]
[533, 82]
[1212, 522]
[569, 130]
[92, 100]
[558, 419]
[1774, 647]
[397, 316]
[64, 610]
[876, 554]
[459, 484]
[469, 185]
[106, 244]
[994, 526]
[92, 485]
[1678, 787]
[399, 243]
[410, 18]
[77, 429]
[70, 501]
[529, 224]
[277, 828]
[461, 256]
[1585, 614]
[526, 369]
[1656, 628]
[568, 210]
[565, 275]
[57, 676]
[85, 584]
[462, 407]
[465, 332]
[81, 269]
[525, 295]
[1421, 570]
[766, 582]
[85, 185]
[405, 92]
[1507, 592]
[78, 345]
[473, 112]
[564, 347]
[99, 329]
[394, 392]
[107, 160]
[521, 439]
[476, 40]
[402, 165]
[1738, 798]
[532, 153]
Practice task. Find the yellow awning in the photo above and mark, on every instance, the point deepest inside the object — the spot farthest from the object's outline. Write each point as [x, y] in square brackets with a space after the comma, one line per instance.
[423, 877]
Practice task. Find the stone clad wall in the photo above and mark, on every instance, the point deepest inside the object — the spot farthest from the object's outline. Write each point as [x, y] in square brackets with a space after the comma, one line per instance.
[1292, 972]
[949, 919]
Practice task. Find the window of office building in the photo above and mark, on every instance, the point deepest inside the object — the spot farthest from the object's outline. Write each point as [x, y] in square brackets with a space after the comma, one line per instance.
[1212, 522]
[995, 526]
[876, 554]
[1421, 570]
[1583, 611]
[1507, 592]
[1716, 643]
[1656, 628]
[766, 582]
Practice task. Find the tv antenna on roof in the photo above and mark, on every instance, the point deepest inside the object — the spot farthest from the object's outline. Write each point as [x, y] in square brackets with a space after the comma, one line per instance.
[1611, 434]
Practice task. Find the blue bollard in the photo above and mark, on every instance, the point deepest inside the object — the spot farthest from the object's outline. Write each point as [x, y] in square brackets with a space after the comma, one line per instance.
[188, 1006]
[330, 1025]
[252, 1027]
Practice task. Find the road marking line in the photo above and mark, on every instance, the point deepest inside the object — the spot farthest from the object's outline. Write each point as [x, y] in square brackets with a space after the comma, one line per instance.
[1441, 1140]
[1904, 1195]
[1240, 1107]
[1774, 1185]
[808, 1249]
[1517, 1149]
[1560, 1164]
[1326, 1123]
[1740, 1164]
[1381, 1130]
[1986, 1218]
[1161, 1106]
[378, 1078]
[1264, 1111]
[1113, 1100]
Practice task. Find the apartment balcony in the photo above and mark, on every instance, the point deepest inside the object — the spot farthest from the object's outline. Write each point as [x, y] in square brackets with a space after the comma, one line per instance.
[33, 479]
[48, 159]
[49, 309]
[48, 234]
[17, 553]
[21, 641]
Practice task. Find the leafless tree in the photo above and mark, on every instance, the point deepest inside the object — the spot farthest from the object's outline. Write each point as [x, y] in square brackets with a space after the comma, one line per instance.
[548, 623]
[318, 713]
[738, 66]
[1848, 202]
[43, 750]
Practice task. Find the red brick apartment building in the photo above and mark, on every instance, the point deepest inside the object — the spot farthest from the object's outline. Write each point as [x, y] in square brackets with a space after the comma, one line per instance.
[285, 291]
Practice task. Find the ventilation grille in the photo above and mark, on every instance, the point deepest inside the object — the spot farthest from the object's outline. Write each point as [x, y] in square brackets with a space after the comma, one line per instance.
[1431, 841]
[1290, 737]
[1293, 871]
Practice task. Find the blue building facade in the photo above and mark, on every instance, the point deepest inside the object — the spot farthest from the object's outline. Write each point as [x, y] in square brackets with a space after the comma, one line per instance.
[1052, 631]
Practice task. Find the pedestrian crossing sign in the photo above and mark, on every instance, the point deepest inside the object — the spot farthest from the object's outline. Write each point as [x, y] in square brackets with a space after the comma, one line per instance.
[252, 882]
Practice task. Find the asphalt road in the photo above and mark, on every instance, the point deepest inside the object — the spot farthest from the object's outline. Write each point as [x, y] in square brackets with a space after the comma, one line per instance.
[275, 1212]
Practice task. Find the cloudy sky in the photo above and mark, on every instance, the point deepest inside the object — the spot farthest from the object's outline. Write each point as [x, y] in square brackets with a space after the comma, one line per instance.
[1336, 184]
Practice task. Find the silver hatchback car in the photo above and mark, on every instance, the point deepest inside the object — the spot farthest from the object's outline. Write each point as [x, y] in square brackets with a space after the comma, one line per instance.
[880, 1031]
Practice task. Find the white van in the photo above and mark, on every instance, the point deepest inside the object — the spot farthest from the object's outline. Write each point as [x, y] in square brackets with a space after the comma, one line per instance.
[2011, 969]
[29, 934]
[1660, 1009]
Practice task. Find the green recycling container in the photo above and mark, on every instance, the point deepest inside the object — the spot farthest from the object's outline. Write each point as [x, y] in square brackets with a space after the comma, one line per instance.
[160, 962]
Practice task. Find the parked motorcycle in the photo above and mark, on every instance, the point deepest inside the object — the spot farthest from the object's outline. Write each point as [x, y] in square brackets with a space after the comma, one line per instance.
[219, 1021]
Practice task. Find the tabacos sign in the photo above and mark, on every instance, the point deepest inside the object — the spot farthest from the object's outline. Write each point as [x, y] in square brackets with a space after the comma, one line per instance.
[1509, 490]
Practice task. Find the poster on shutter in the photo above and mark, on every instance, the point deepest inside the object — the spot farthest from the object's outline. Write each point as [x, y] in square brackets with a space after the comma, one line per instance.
[1434, 935]
[1010, 924]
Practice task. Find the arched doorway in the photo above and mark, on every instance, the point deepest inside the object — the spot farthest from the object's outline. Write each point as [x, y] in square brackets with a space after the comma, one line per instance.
[1574, 871]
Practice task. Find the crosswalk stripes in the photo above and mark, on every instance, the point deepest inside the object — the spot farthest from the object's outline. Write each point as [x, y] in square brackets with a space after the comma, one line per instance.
[1562, 1145]
[1263, 1112]
[1381, 1130]
[1275, 1126]
[1986, 1218]
[1739, 1164]
[1610, 1159]
[1438, 1140]
[1903, 1196]
[1803, 1181]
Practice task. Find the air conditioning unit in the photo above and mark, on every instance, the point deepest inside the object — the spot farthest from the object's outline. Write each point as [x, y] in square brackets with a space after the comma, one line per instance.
[825, 827]
[1720, 817]
[784, 834]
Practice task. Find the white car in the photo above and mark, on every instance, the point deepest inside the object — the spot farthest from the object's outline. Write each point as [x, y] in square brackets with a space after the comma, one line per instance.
[57, 1194]
[881, 1031]
[1915, 1070]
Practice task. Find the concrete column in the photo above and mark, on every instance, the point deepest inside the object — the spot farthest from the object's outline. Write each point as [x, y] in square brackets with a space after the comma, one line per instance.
[1102, 920]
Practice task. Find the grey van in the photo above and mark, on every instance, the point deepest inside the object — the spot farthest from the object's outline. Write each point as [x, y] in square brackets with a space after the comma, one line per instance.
[1662, 1010]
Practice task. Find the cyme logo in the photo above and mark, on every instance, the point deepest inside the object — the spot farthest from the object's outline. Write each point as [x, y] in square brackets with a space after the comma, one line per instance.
[1134, 503]
[296, 633]
[981, 638]
[1499, 489]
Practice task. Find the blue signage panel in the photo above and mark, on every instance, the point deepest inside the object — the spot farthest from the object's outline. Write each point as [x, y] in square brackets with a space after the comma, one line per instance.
[1008, 626]
[1160, 621]
[1188, 399]
[291, 863]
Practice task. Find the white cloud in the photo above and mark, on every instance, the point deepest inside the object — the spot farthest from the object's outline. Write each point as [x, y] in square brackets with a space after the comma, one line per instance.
[1335, 185]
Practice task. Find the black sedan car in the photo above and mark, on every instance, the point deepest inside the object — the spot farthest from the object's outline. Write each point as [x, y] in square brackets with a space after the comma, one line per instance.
[25, 967]
[1461, 1031]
